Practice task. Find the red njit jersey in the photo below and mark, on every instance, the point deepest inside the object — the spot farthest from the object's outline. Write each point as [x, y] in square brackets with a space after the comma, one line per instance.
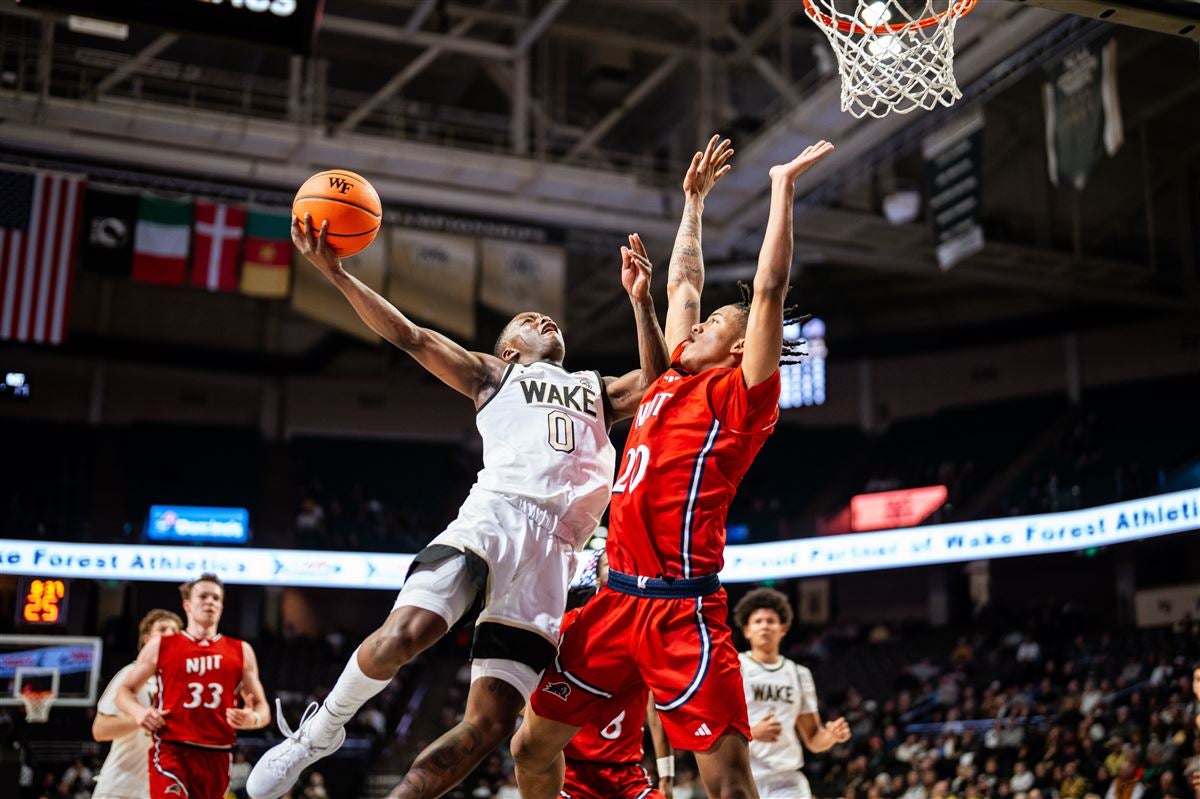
[613, 740]
[692, 440]
[199, 679]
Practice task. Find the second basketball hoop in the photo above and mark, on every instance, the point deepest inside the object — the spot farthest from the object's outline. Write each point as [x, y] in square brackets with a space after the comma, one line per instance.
[894, 56]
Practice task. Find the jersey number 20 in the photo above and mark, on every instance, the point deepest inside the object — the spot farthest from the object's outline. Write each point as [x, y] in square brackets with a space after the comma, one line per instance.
[636, 461]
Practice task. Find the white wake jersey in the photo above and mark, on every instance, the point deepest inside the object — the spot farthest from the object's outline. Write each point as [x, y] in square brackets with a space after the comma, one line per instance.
[545, 438]
[787, 688]
[126, 771]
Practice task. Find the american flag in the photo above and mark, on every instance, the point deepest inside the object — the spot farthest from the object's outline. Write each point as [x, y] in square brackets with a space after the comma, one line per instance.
[39, 220]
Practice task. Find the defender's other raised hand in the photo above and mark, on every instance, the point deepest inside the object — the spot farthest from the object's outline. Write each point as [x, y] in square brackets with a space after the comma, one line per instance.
[313, 246]
[707, 168]
[635, 270]
[801, 163]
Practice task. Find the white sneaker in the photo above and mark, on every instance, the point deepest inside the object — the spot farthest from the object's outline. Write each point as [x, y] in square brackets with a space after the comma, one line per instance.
[279, 768]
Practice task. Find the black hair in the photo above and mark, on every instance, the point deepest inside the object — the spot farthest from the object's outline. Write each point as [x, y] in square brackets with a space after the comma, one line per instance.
[501, 341]
[792, 351]
[762, 599]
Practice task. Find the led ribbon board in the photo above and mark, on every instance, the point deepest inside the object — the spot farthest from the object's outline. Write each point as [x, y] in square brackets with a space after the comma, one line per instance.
[1105, 525]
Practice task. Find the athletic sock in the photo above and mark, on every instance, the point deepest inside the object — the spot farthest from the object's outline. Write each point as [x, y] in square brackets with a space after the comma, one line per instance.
[352, 690]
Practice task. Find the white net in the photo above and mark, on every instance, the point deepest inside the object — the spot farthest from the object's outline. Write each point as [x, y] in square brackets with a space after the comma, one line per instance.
[37, 705]
[892, 59]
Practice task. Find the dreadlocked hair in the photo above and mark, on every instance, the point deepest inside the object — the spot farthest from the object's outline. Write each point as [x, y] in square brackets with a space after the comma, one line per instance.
[793, 351]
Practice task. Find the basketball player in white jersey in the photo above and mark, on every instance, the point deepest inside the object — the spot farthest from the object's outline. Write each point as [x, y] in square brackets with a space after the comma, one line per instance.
[546, 478]
[125, 773]
[781, 699]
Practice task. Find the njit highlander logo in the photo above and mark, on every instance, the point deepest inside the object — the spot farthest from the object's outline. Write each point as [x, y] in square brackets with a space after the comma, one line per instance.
[559, 689]
[341, 184]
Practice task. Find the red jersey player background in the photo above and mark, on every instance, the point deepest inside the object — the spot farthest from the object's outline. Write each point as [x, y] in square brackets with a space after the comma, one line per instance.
[202, 675]
[604, 760]
[661, 620]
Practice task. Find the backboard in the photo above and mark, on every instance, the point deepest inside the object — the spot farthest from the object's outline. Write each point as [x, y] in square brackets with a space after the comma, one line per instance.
[69, 666]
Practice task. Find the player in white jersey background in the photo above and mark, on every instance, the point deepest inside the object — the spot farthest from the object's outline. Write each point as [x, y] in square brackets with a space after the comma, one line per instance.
[781, 698]
[546, 478]
[125, 773]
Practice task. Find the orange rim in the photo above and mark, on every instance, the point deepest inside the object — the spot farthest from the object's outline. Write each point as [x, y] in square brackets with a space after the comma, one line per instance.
[958, 9]
[37, 696]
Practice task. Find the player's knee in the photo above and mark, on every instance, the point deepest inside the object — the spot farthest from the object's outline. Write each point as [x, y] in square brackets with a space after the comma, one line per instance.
[494, 728]
[527, 754]
[406, 633]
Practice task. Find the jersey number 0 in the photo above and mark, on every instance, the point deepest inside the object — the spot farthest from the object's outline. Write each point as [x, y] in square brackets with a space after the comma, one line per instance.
[561, 431]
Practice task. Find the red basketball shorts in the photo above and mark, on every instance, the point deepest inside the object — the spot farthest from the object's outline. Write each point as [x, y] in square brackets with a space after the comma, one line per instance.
[681, 649]
[607, 781]
[178, 771]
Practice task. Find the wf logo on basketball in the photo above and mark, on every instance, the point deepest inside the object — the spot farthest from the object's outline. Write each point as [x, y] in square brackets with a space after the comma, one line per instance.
[203, 664]
[340, 184]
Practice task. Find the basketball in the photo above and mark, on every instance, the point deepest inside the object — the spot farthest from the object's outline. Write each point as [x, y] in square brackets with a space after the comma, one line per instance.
[348, 201]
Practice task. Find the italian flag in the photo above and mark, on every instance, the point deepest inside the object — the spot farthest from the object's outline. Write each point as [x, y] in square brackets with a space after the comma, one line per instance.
[160, 242]
[268, 267]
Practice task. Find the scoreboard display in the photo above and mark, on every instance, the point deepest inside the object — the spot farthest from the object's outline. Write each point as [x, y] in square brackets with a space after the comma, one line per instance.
[42, 601]
[285, 24]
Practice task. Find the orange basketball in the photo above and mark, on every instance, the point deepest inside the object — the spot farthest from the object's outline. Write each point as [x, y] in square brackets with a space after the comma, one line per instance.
[350, 204]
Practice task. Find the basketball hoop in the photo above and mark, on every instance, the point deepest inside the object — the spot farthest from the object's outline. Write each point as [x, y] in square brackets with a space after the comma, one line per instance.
[37, 705]
[892, 66]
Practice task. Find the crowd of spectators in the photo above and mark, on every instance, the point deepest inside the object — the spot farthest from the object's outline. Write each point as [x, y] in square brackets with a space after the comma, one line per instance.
[1048, 707]
[1055, 713]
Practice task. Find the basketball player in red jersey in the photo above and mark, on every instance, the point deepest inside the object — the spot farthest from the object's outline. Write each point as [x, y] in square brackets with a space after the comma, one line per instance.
[201, 676]
[604, 760]
[660, 621]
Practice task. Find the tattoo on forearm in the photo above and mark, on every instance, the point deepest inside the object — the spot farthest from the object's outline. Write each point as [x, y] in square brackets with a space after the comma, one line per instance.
[687, 262]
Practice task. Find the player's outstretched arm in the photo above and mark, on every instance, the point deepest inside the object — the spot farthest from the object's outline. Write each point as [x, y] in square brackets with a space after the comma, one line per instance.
[469, 373]
[764, 329]
[150, 719]
[664, 755]
[256, 713]
[625, 392]
[818, 737]
[685, 273]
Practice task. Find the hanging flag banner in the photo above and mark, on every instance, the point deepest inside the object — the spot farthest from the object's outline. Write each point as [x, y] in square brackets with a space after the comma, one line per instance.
[1106, 525]
[433, 277]
[267, 271]
[523, 277]
[217, 242]
[160, 242]
[1083, 112]
[109, 219]
[316, 297]
[39, 227]
[953, 164]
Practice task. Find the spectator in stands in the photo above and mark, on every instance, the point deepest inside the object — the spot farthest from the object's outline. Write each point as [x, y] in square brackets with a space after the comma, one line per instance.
[76, 781]
[1073, 785]
[1126, 784]
[239, 770]
[1022, 778]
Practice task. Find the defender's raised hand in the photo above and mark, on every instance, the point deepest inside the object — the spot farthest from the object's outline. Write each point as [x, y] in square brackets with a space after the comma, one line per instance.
[313, 246]
[635, 269]
[801, 163]
[707, 168]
